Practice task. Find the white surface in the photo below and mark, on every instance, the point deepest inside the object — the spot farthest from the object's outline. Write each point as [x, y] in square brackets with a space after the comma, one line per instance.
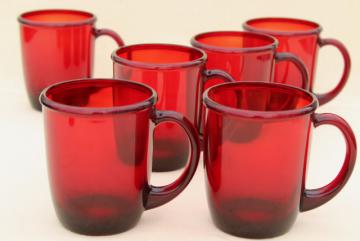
[25, 204]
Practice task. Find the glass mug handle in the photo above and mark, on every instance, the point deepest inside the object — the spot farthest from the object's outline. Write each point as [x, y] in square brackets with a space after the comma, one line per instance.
[217, 73]
[285, 56]
[211, 74]
[159, 195]
[313, 198]
[110, 33]
[326, 97]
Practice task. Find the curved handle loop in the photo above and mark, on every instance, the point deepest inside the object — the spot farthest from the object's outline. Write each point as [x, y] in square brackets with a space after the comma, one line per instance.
[217, 73]
[160, 195]
[326, 97]
[110, 33]
[285, 56]
[313, 198]
[211, 74]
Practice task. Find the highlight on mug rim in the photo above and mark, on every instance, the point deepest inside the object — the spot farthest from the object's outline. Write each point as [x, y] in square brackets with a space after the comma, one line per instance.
[313, 27]
[83, 18]
[199, 56]
[272, 45]
[255, 114]
[147, 102]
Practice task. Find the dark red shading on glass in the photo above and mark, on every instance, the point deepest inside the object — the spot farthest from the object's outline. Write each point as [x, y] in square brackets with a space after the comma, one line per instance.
[177, 73]
[244, 55]
[99, 144]
[301, 38]
[256, 185]
[57, 45]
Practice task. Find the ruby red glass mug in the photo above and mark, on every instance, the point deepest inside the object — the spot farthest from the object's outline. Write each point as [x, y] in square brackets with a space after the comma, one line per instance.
[177, 73]
[301, 38]
[245, 56]
[256, 188]
[99, 148]
[57, 45]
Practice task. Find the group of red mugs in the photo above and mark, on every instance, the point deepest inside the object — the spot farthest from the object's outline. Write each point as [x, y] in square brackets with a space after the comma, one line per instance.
[244, 98]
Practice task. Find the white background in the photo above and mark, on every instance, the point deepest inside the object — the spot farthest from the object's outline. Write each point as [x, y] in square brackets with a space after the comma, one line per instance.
[25, 205]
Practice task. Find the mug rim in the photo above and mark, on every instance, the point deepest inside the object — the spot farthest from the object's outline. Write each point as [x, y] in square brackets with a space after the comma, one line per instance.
[23, 20]
[254, 114]
[54, 105]
[158, 66]
[316, 30]
[196, 43]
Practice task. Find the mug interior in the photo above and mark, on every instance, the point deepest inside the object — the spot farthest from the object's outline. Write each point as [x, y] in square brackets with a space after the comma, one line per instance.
[282, 24]
[97, 93]
[262, 98]
[56, 16]
[158, 54]
[234, 39]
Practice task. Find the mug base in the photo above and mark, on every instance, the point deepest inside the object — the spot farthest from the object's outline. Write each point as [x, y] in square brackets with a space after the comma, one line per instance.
[98, 215]
[256, 219]
[169, 164]
[170, 155]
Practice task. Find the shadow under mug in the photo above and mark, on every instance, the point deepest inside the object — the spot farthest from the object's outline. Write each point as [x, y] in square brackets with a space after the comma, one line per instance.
[99, 149]
[177, 73]
[301, 38]
[57, 45]
[255, 189]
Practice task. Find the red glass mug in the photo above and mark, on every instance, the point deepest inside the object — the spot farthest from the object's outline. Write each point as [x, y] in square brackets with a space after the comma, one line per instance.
[302, 38]
[57, 45]
[256, 188]
[99, 144]
[244, 55]
[177, 73]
